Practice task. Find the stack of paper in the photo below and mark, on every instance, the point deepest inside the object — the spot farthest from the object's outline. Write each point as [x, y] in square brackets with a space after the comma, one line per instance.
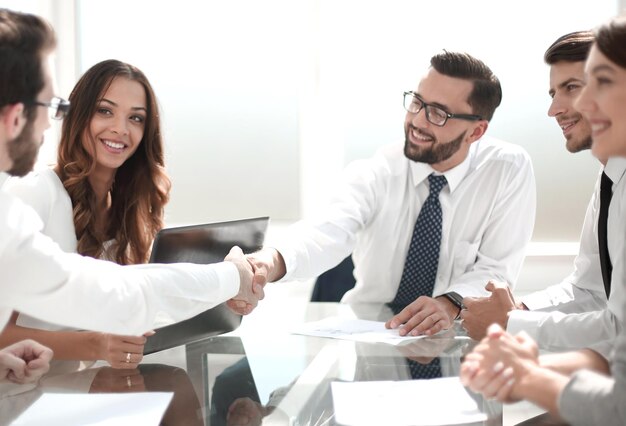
[146, 408]
[415, 402]
[353, 329]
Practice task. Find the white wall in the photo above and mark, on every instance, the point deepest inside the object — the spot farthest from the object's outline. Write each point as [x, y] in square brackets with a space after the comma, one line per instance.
[265, 102]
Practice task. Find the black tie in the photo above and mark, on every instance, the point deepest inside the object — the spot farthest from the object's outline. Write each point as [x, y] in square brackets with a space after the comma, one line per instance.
[606, 193]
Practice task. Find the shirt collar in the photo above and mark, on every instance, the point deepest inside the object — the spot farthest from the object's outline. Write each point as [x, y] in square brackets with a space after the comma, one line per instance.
[454, 176]
[3, 178]
[615, 168]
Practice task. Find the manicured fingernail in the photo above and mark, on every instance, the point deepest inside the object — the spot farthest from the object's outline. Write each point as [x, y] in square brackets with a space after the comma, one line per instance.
[498, 367]
[508, 372]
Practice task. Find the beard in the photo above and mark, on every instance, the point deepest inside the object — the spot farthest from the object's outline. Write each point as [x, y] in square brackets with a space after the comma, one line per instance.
[23, 150]
[574, 145]
[435, 153]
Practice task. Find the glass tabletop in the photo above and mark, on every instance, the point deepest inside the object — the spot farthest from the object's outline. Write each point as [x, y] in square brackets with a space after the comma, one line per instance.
[262, 373]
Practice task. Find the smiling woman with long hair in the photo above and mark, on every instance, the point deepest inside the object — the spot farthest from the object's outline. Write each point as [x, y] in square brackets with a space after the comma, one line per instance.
[104, 198]
[112, 164]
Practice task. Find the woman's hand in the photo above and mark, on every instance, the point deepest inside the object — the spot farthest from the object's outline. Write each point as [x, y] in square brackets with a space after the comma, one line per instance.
[124, 352]
[499, 363]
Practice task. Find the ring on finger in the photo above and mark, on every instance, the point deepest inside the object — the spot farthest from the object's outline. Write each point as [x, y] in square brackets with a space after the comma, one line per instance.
[129, 382]
[127, 357]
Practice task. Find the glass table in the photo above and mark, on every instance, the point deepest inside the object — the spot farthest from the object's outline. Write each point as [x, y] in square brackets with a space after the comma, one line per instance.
[262, 373]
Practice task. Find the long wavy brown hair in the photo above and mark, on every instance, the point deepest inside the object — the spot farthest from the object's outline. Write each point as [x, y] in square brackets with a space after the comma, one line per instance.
[141, 187]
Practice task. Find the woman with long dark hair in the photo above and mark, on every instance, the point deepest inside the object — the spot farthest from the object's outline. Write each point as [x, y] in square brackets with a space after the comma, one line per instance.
[104, 198]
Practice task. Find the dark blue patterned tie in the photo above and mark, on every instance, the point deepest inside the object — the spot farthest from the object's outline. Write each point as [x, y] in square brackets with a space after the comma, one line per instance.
[420, 267]
[425, 371]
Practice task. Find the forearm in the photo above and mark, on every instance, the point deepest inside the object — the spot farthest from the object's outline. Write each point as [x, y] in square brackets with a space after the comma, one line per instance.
[279, 269]
[569, 362]
[72, 345]
[541, 386]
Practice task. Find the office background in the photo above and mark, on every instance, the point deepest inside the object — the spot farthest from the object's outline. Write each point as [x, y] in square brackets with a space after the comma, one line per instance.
[263, 103]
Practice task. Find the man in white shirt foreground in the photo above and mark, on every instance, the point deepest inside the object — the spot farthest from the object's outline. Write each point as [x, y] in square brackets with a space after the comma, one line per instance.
[574, 313]
[41, 280]
[478, 225]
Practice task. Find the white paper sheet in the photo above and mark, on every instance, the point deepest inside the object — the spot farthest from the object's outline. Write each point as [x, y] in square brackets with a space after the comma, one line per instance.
[144, 408]
[414, 402]
[353, 329]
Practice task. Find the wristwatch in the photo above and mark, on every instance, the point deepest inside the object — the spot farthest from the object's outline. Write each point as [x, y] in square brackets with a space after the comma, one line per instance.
[456, 299]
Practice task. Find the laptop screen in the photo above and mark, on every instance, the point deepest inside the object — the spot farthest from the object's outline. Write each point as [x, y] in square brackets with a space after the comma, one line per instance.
[206, 243]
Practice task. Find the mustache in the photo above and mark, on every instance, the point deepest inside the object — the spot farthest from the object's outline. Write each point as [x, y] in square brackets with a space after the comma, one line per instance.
[421, 132]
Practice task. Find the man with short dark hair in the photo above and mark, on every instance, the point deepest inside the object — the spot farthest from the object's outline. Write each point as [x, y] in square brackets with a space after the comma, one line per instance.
[574, 313]
[68, 289]
[430, 220]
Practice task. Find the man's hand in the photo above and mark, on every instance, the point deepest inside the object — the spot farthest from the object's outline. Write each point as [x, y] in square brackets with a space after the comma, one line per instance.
[24, 362]
[480, 312]
[268, 264]
[424, 316]
[249, 294]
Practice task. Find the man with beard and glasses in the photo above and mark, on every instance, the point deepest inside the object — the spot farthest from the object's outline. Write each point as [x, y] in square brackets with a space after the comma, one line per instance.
[68, 289]
[581, 310]
[428, 221]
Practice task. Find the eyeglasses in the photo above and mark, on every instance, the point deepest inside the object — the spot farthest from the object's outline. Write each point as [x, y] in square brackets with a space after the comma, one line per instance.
[434, 114]
[58, 107]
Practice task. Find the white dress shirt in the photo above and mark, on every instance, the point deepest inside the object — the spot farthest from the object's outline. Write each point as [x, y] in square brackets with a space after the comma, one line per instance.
[44, 192]
[41, 280]
[488, 211]
[574, 313]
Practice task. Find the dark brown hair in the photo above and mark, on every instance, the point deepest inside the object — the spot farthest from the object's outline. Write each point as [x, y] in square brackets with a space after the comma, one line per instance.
[487, 93]
[24, 39]
[141, 187]
[611, 40]
[571, 47]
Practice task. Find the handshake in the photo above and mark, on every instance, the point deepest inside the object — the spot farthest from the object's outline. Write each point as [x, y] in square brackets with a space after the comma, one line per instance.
[255, 271]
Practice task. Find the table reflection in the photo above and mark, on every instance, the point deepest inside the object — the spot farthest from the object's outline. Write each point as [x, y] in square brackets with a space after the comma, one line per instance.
[263, 374]
[185, 408]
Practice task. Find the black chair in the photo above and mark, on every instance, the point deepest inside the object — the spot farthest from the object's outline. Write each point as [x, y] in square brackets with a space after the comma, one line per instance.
[333, 284]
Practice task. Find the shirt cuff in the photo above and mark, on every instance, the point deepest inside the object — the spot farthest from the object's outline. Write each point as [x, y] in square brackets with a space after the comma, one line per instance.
[537, 300]
[228, 279]
[527, 321]
[289, 257]
[467, 290]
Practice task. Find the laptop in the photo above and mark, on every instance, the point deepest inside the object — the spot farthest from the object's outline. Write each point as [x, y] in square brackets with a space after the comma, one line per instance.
[206, 243]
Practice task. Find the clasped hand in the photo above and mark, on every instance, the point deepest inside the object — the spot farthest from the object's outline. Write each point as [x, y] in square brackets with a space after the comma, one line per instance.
[24, 362]
[250, 292]
[499, 363]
